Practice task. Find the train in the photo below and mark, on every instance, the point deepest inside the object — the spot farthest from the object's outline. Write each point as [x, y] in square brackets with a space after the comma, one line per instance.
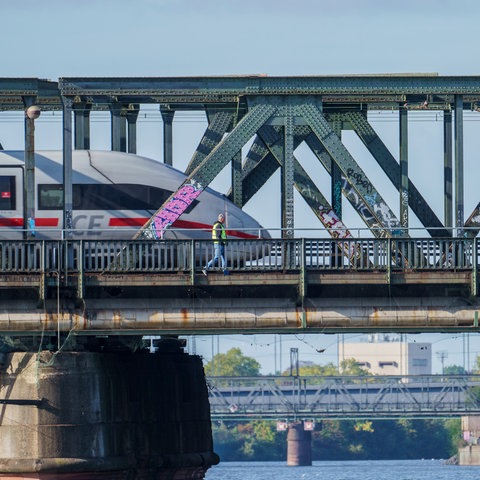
[114, 195]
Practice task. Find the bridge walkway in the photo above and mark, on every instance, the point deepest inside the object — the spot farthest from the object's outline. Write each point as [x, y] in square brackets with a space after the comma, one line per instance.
[149, 287]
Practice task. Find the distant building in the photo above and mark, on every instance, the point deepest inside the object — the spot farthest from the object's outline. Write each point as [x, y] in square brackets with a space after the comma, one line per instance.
[388, 355]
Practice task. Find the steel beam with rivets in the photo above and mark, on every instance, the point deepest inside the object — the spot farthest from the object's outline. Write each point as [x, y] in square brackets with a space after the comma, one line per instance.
[213, 135]
[390, 166]
[350, 169]
[208, 169]
[305, 186]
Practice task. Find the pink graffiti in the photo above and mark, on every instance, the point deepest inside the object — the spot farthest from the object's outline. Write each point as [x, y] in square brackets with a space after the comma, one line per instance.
[174, 208]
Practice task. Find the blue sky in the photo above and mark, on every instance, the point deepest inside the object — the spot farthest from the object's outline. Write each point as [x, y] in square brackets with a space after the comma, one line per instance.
[53, 38]
[60, 38]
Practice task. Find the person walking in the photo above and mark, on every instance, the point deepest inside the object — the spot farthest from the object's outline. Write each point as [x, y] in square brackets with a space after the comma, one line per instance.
[219, 237]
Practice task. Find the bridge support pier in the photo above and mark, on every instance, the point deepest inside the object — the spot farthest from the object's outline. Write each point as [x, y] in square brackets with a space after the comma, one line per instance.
[119, 415]
[299, 445]
[470, 455]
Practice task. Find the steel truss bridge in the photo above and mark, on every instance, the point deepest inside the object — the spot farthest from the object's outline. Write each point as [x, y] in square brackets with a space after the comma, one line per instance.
[279, 113]
[295, 398]
[392, 281]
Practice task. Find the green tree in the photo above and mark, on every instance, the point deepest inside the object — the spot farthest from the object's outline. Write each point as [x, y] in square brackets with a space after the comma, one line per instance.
[349, 366]
[454, 428]
[476, 367]
[257, 440]
[454, 370]
[232, 364]
[343, 440]
[313, 370]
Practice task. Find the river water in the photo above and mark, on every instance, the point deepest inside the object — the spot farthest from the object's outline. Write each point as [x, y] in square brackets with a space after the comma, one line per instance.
[355, 470]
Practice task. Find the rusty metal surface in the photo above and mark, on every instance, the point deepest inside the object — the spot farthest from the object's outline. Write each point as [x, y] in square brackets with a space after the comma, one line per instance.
[203, 316]
[277, 293]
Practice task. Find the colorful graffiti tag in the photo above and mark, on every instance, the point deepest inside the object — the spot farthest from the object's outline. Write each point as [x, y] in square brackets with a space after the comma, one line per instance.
[174, 208]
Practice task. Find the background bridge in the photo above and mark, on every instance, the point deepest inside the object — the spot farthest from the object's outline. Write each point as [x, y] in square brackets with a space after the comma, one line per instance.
[348, 397]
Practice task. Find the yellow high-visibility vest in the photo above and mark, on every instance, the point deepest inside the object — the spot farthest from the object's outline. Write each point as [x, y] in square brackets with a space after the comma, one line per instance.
[223, 233]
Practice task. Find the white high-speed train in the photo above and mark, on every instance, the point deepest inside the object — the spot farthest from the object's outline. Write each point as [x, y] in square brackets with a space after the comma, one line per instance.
[114, 194]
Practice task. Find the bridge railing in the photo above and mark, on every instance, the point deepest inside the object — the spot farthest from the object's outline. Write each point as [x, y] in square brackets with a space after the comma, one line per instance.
[27, 256]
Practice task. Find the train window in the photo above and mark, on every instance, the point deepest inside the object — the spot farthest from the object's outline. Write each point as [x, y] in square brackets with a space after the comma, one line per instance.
[50, 197]
[118, 197]
[96, 196]
[7, 192]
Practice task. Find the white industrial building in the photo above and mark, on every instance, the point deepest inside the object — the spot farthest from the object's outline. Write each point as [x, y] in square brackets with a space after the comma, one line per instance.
[388, 355]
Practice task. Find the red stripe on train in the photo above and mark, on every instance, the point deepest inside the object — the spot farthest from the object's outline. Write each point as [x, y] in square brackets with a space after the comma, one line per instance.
[139, 222]
[18, 222]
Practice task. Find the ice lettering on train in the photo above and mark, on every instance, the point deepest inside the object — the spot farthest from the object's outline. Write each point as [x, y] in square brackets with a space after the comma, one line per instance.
[174, 208]
[87, 223]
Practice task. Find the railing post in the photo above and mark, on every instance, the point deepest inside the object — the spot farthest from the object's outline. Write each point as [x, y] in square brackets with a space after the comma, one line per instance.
[389, 260]
[80, 283]
[303, 279]
[41, 292]
[192, 262]
[474, 286]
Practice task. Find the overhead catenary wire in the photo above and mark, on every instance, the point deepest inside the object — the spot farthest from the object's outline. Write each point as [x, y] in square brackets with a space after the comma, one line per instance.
[153, 115]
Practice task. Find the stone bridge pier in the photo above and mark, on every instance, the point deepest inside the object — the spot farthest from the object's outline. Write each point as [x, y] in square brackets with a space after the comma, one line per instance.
[104, 415]
[299, 445]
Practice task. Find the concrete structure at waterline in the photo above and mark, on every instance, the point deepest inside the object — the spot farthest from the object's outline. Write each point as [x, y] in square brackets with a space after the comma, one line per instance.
[109, 415]
[470, 454]
[299, 445]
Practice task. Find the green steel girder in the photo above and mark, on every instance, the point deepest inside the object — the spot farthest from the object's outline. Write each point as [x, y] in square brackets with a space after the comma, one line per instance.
[473, 223]
[350, 169]
[232, 143]
[237, 183]
[336, 181]
[259, 163]
[331, 142]
[211, 88]
[12, 91]
[254, 156]
[202, 175]
[392, 169]
[287, 175]
[213, 135]
[351, 195]
[381, 91]
[259, 166]
[305, 185]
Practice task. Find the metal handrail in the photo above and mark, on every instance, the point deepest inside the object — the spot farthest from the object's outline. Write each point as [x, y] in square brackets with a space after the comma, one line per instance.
[256, 255]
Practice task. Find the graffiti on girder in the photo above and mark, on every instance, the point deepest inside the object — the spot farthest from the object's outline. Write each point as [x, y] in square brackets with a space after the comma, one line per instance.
[173, 209]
